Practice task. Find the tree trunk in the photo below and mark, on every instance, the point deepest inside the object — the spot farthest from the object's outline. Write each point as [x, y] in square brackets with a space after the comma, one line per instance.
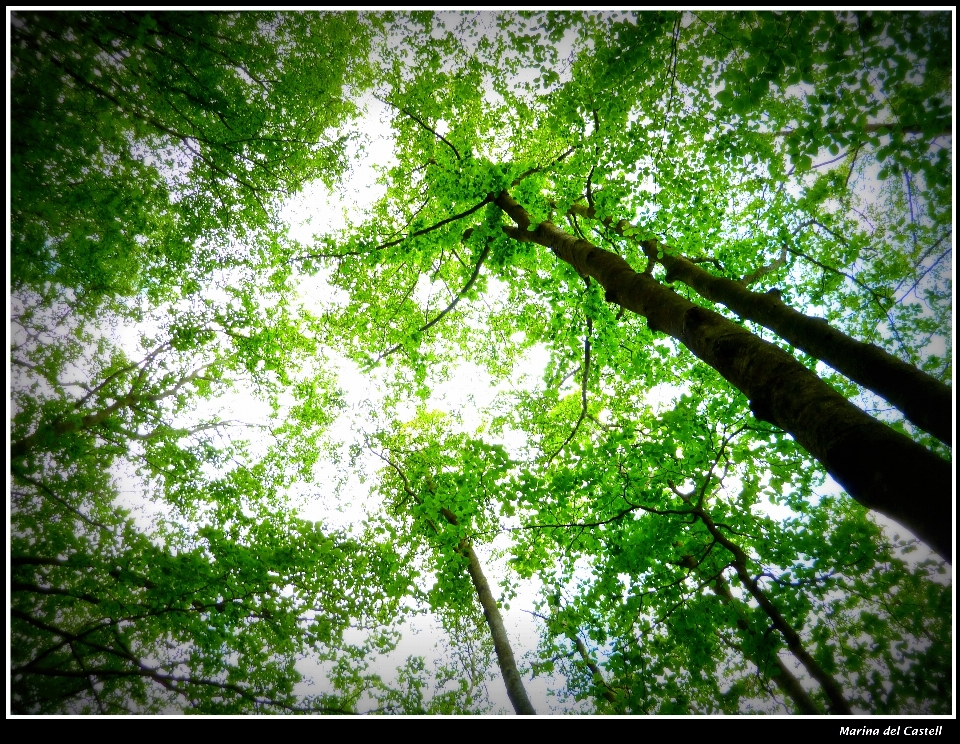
[923, 399]
[491, 611]
[786, 680]
[501, 643]
[881, 469]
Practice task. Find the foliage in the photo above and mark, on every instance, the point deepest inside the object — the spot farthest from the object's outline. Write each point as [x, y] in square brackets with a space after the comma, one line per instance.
[148, 150]
[157, 131]
[688, 555]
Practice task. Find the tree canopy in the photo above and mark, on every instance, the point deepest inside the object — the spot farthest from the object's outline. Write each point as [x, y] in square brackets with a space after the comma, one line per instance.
[727, 487]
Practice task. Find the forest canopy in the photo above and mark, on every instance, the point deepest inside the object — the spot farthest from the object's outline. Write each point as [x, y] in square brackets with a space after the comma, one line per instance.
[625, 379]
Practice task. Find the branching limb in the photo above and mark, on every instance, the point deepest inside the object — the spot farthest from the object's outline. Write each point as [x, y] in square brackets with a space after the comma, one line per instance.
[776, 264]
[421, 122]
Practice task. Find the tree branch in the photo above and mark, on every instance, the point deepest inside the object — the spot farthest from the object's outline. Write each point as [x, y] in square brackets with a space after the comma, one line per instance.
[423, 124]
[466, 288]
[584, 382]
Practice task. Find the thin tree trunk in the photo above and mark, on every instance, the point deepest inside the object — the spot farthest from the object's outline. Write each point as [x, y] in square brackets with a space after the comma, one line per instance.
[923, 399]
[830, 686]
[491, 611]
[881, 469]
[786, 680]
[607, 693]
[501, 642]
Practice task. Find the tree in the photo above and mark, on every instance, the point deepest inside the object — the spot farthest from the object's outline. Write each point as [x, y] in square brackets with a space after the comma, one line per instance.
[144, 179]
[646, 205]
[435, 493]
[159, 132]
[851, 446]
[716, 137]
[686, 637]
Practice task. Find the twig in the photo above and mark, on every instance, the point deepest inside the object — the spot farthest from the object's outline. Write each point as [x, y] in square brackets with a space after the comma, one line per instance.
[584, 381]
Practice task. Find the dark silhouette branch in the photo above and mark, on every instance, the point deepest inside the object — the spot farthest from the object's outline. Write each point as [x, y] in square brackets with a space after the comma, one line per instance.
[421, 122]
[466, 288]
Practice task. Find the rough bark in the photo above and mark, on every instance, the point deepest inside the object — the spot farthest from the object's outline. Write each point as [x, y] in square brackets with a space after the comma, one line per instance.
[923, 399]
[881, 469]
[491, 611]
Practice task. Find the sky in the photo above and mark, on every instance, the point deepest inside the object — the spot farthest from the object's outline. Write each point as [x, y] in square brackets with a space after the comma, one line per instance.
[467, 393]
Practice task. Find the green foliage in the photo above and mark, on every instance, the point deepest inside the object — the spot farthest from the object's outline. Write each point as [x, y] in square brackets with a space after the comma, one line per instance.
[153, 130]
[686, 557]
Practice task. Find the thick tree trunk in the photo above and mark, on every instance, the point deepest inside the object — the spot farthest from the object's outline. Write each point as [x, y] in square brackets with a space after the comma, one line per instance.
[881, 469]
[923, 399]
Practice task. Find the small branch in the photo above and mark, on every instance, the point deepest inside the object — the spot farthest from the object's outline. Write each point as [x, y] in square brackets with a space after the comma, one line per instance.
[53, 497]
[853, 161]
[777, 263]
[874, 296]
[584, 381]
[415, 234]
[926, 271]
[538, 169]
[869, 128]
[422, 124]
[619, 515]
[466, 288]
